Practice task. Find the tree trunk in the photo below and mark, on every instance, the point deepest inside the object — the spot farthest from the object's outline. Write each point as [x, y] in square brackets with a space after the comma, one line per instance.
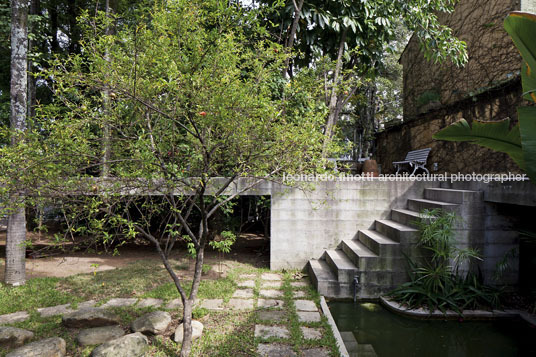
[290, 41]
[16, 230]
[107, 134]
[368, 117]
[187, 328]
[334, 101]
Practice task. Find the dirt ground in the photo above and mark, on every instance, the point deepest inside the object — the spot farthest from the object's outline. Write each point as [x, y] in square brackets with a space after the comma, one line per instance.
[249, 248]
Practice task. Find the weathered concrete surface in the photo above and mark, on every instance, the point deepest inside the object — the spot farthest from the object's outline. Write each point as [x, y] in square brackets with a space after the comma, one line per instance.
[305, 223]
[275, 350]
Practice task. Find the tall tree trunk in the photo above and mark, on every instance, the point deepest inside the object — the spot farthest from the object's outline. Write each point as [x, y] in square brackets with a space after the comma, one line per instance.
[335, 102]
[16, 229]
[368, 117]
[107, 131]
[290, 40]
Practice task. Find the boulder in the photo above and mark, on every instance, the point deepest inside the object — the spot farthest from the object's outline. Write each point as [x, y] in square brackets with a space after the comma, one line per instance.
[197, 330]
[90, 317]
[50, 347]
[153, 323]
[14, 337]
[98, 335]
[133, 345]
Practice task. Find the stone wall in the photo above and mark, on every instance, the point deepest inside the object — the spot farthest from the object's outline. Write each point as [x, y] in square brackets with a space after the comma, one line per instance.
[493, 58]
[451, 157]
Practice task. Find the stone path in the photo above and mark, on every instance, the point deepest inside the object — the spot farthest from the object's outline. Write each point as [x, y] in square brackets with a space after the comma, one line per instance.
[272, 316]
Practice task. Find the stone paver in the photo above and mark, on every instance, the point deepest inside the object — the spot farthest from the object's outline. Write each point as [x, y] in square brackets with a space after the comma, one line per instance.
[174, 304]
[311, 333]
[150, 302]
[247, 276]
[271, 284]
[247, 284]
[299, 294]
[271, 276]
[271, 293]
[63, 309]
[14, 317]
[316, 352]
[212, 304]
[271, 315]
[308, 316]
[267, 303]
[241, 304]
[264, 331]
[305, 305]
[90, 317]
[120, 302]
[243, 294]
[275, 350]
[299, 284]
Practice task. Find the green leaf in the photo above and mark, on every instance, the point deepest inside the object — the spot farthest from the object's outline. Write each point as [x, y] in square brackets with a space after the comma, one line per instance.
[494, 135]
[527, 130]
[522, 27]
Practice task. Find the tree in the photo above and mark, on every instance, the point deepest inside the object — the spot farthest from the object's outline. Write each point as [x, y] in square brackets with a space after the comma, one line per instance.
[16, 228]
[194, 120]
[354, 34]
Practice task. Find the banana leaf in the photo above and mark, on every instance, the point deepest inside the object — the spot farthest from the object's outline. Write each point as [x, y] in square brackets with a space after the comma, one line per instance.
[494, 135]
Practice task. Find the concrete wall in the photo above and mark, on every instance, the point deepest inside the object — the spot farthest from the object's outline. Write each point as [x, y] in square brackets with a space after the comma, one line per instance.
[305, 223]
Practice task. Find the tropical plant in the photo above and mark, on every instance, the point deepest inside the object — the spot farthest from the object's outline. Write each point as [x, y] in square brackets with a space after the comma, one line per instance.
[520, 141]
[443, 280]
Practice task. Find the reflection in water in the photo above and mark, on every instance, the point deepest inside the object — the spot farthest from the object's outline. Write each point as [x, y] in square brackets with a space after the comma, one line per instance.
[375, 331]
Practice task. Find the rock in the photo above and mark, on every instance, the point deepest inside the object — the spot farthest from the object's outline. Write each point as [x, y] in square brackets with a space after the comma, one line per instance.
[133, 345]
[153, 323]
[98, 335]
[14, 317]
[14, 337]
[119, 302]
[55, 310]
[197, 330]
[50, 347]
[90, 317]
[149, 302]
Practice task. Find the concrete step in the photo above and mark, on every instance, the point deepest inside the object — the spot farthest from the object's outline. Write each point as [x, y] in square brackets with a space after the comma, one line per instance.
[407, 217]
[325, 280]
[452, 196]
[396, 231]
[417, 204]
[362, 257]
[378, 243]
[341, 265]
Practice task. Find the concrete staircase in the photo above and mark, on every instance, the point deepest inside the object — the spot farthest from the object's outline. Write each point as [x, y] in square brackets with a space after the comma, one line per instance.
[376, 256]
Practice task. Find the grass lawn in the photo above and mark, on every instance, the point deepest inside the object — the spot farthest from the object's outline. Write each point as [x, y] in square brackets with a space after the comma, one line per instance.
[226, 333]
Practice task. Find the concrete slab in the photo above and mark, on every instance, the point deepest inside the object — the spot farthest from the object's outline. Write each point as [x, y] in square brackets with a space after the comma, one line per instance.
[241, 304]
[271, 284]
[174, 304]
[299, 284]
[212, 304]
[119, 302]
[247, 284]
[308, 316]
[271, 276]
[299, 294]
[247, 276]
[243, 294]
[270, 303]
[271, 293]
[14, 317]
[305, 305]
[275, 350]
[316, 352]
[311, 333]
[265, 331]
[272, 315]
[149, 302]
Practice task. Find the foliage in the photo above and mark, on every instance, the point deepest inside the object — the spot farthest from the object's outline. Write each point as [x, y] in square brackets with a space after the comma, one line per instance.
[520, 141]
[443, 281]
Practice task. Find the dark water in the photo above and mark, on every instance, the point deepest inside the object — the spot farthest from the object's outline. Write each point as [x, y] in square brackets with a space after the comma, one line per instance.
[381, 333]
